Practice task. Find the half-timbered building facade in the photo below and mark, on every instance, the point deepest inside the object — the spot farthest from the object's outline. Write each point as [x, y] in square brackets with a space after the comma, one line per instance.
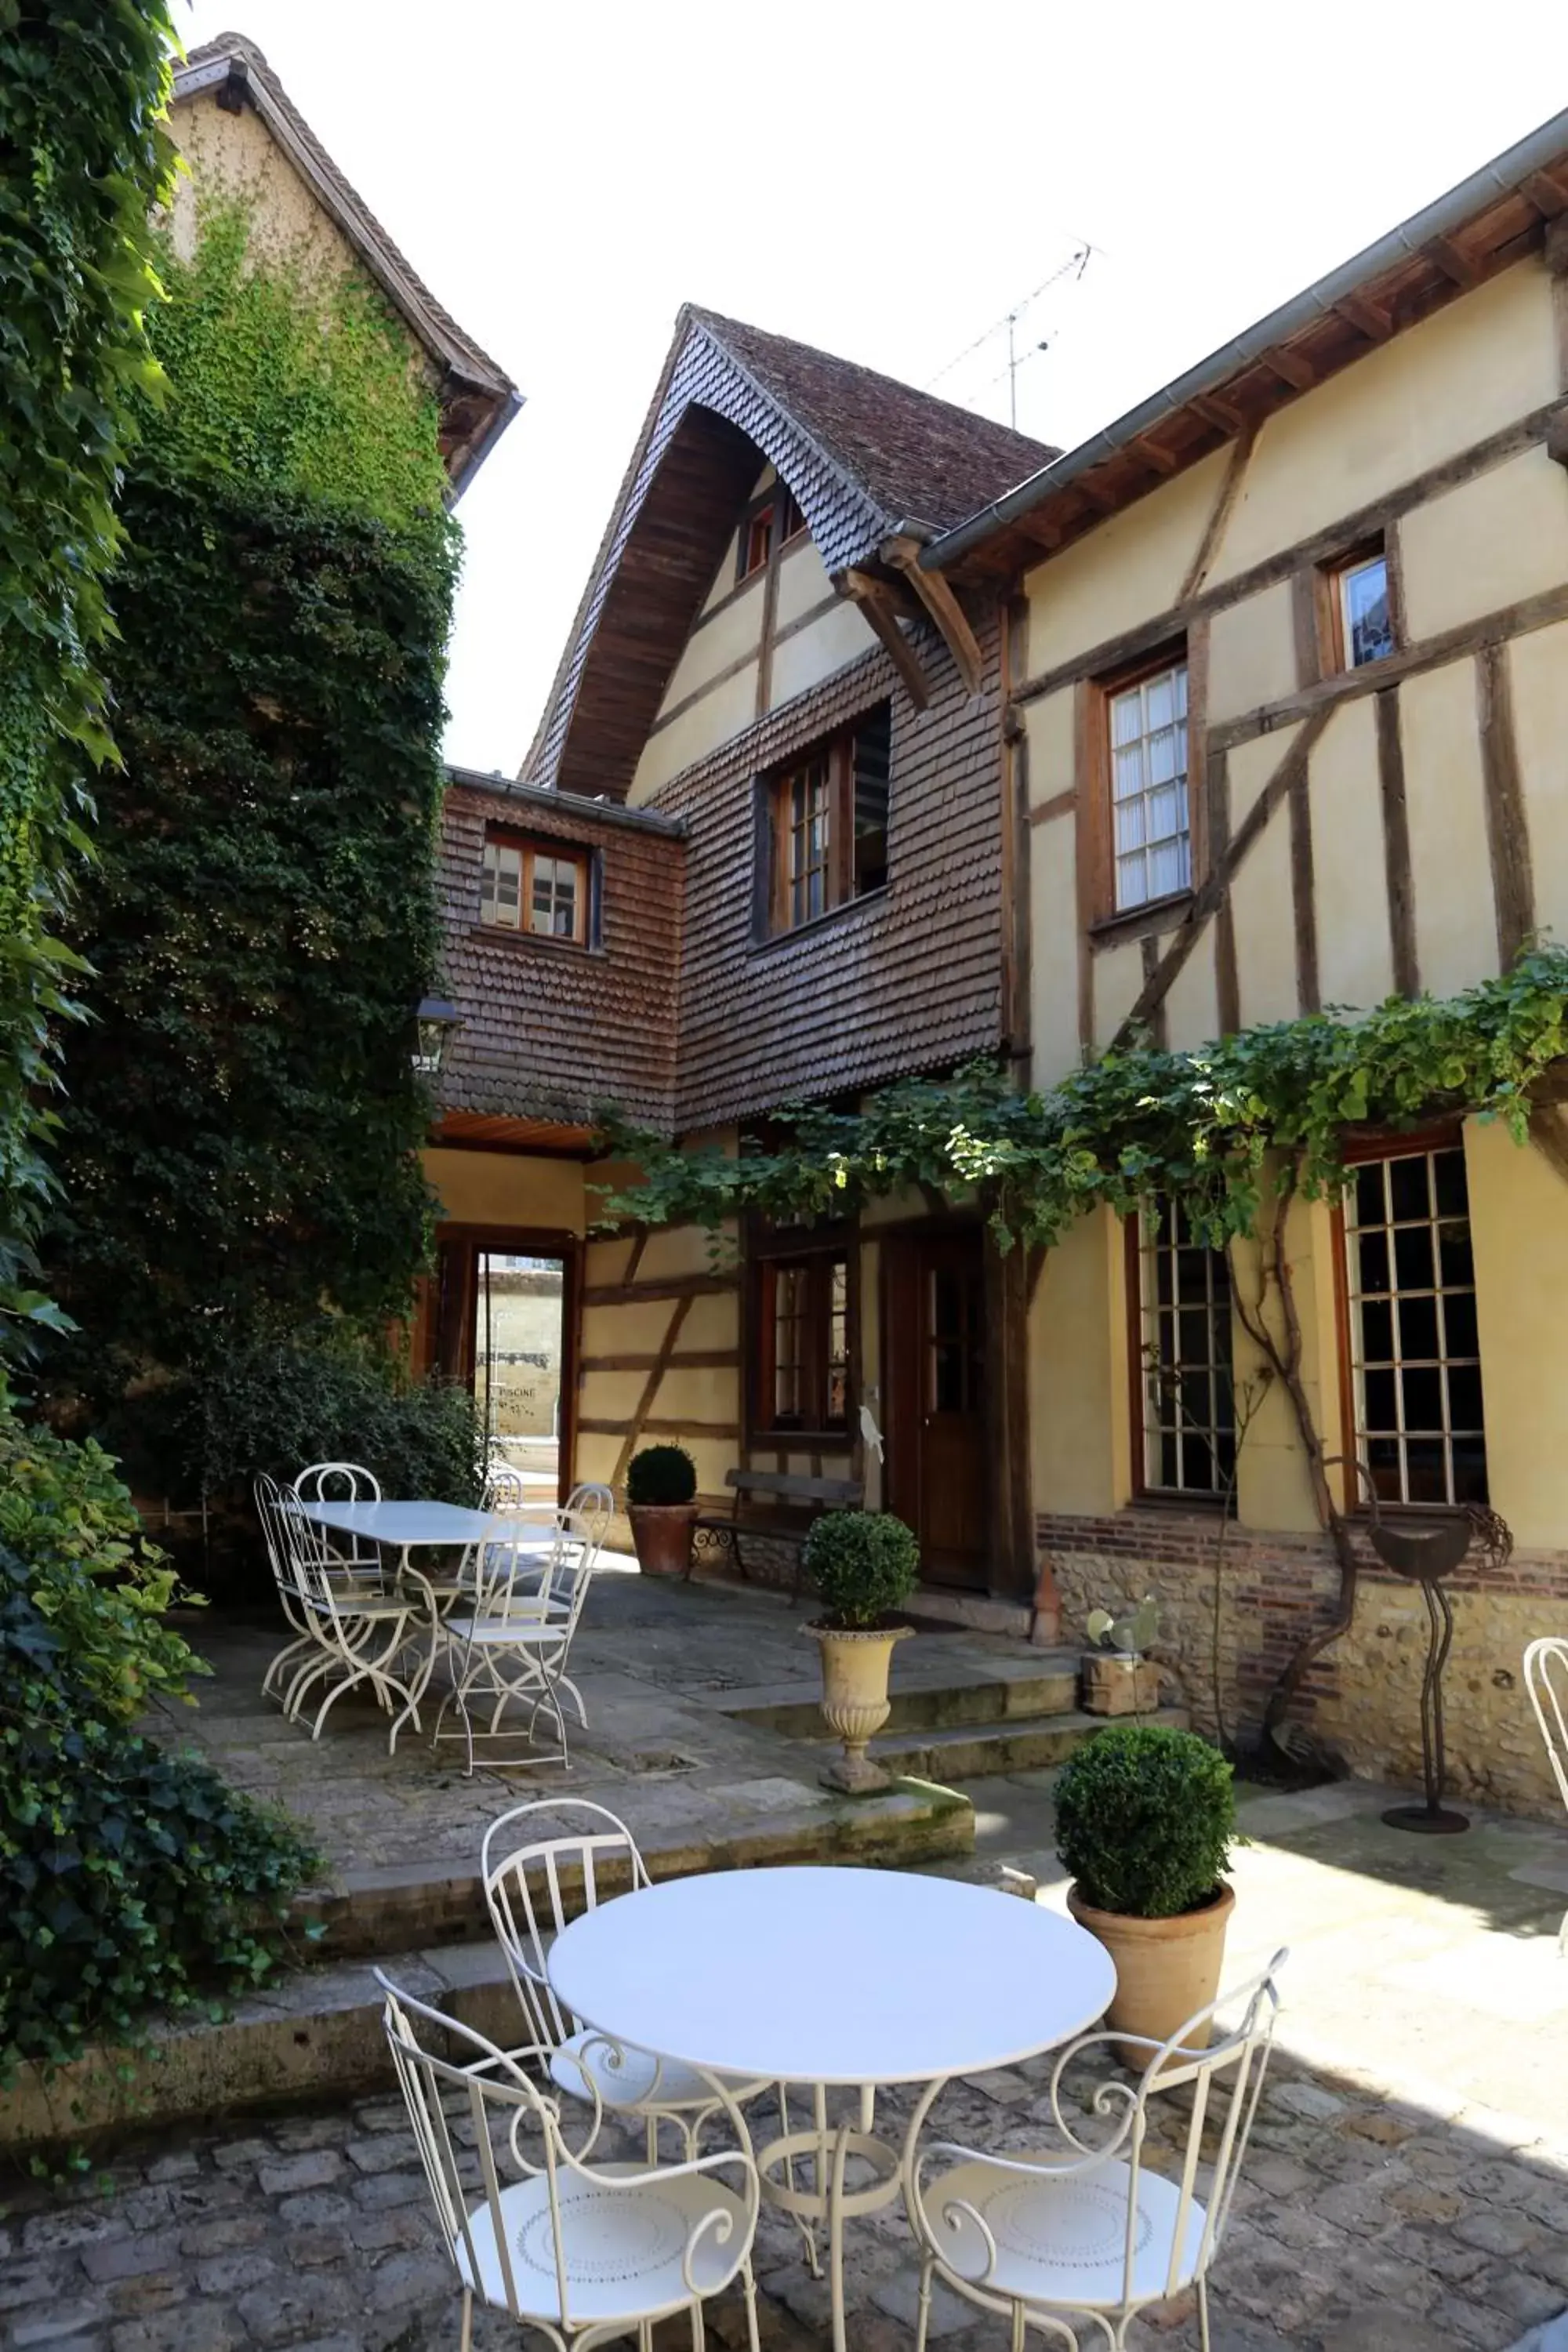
[757, 856]
[1290, 704]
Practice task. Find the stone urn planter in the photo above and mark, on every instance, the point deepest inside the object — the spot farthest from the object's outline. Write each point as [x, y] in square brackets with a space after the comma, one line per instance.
[855, 1702]
[661, 1504]
[1145, 1817]
[863, 1564]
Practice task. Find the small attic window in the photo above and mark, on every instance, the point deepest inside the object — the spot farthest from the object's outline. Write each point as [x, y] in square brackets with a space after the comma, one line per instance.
[767, 524]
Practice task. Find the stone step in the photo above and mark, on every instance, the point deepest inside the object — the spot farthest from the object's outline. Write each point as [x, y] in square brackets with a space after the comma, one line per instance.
[404, 1907]
[1021, 1744]
[929, 1699]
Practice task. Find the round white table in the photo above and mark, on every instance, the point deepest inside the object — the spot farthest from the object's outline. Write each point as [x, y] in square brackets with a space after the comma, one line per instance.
[826, 1978]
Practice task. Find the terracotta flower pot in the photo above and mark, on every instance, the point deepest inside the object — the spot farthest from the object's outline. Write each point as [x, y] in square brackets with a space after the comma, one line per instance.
[1165, 1968]
[662, 1534]
[855, 1703]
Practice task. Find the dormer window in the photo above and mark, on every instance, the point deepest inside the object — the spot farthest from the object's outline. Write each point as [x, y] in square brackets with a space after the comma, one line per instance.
[538, 887]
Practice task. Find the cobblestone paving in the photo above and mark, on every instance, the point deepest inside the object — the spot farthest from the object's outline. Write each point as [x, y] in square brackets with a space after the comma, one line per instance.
[1363, 2224]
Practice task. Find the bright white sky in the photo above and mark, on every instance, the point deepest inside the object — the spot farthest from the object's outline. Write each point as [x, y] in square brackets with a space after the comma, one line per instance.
[881, 178]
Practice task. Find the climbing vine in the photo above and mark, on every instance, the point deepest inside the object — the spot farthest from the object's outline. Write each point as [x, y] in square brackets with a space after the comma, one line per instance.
[83, 156]
[1216, 1130]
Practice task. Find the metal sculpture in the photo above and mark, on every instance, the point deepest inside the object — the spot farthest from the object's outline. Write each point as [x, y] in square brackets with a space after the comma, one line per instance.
[1427, 1559]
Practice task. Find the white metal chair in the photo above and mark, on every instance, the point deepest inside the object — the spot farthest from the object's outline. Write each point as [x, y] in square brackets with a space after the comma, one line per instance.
[510, 1643]
[504, 1487]
[1088, 2234]
[382, 1637]
[526, 1889]
[593, 1508]
[583, 2252]
[1546, 1680]
[345, 1482]
[280, 1673]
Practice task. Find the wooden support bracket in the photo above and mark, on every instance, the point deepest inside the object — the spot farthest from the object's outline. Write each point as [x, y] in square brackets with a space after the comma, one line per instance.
[881, 603]
[936, 596]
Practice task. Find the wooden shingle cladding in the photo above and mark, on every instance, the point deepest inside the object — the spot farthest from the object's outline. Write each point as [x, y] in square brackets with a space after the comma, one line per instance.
[907, 978]
[551, 1030]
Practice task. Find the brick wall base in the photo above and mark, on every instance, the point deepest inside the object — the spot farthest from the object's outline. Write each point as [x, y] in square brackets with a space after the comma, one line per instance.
[1362, 1698]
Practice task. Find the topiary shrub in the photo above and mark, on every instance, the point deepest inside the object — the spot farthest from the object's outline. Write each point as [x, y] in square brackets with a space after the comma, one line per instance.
[661, 1474]
[1145, 1818]
[863, 1563]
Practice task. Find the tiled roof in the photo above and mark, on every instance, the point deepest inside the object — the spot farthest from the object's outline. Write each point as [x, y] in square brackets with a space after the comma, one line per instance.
[863, 457]
[922, 460]
[430, 322]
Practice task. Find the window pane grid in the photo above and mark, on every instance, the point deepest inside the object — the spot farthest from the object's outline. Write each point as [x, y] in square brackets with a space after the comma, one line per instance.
[1365, 621]
[1414, 1354]
[1151, 824]
[809, 842]
[1189, 1420]
[804, 1343]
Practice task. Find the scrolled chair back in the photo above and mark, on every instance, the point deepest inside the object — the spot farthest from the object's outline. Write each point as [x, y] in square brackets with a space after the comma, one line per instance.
[1224, 2081]
[1546, 1680]
[591, 1507]
[504, 1487]
[532, 1888]
[509, 2244]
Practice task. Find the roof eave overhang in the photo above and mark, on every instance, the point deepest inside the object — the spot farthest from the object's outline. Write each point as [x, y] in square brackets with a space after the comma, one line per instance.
[1477, 230]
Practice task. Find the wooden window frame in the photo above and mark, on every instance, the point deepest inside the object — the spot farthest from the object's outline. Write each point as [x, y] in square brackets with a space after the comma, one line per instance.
[816, 1256]
[837, 750]
[1328, 584]
[1095, 796]
[777, 508]
[1145, 1488]
[1356, 1151]
[531, 847]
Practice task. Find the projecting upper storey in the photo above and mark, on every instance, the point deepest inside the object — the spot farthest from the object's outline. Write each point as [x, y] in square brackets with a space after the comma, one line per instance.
[758, 656]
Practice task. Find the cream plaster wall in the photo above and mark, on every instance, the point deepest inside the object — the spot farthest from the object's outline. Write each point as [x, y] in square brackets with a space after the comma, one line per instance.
[720, 713]
[1249, 766]
[1050, 726]
[815, 653]
[1118, 979]
[1518, 1221]
[1456, 927]
[1252, 653]
[1350, 878]
[803, 582]
[1272, 1488]
[1485, 360]
[1080, 1454]
[1192, 1001]
[1539, 665]
[1053, 950]
[733, 631]
[236, 157]
[1261, 913]
[505, 1188]
[1490, 542]
[1132, 568]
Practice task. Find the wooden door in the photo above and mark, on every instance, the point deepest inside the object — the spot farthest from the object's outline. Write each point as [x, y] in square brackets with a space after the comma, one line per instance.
[936, 1433]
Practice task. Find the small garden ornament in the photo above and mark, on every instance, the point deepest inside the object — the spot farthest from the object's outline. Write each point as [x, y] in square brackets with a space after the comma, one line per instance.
[1118, 1678]
[863, 1564]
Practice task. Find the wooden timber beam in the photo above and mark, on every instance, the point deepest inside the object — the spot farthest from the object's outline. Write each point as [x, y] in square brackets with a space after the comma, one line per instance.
[936, 596]
[1216, 411]
[1451, 261]
[1290, 368]
[1544, 194]
[1369, 318]
[879, 603]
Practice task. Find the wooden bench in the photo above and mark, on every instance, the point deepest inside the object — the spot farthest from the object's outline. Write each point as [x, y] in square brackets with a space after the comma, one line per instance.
[776, 1506]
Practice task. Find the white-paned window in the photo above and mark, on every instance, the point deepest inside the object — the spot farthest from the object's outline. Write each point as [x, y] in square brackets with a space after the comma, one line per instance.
[1189, 1404]
[1152, 846]
[1414, 1349]
[501, 885]
[537, 886]
[1365, 625]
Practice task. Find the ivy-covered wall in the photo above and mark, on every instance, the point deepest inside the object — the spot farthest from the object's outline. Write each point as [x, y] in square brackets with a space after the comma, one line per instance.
[83, 157]
[239, 1139]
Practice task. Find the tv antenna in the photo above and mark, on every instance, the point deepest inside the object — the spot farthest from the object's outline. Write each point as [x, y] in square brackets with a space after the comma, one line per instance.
[1070, 271]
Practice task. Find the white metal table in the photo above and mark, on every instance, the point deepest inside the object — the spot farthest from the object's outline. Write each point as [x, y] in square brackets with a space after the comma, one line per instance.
[419, 1527]
[831, 1977]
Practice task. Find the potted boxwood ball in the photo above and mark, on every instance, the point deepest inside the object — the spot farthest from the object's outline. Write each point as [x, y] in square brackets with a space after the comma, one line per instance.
[1145, 1818]
[661, 1504]
[863, 1563]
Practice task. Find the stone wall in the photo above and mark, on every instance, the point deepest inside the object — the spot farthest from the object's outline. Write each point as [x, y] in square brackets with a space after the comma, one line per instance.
[1362, 1698]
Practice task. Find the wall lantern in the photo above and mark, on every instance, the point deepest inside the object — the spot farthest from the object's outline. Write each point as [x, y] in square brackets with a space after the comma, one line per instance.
[438, 1020]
